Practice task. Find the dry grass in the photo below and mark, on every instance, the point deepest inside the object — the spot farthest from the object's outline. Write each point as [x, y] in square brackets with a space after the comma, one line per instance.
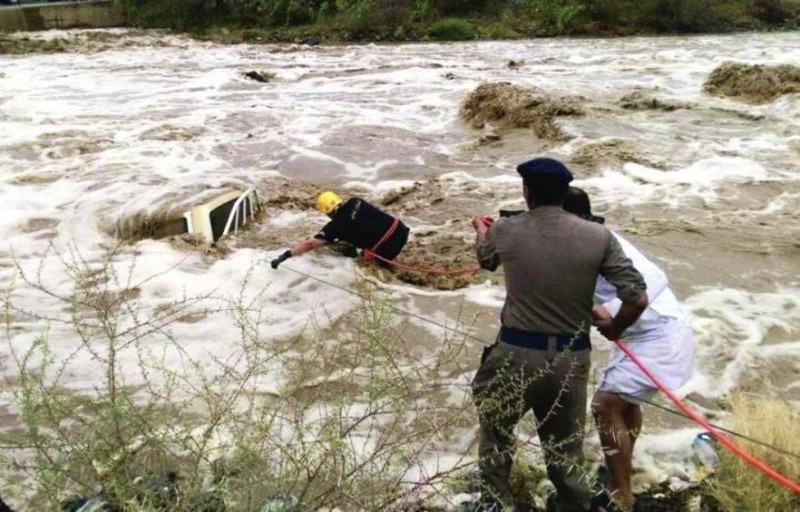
[736, 484]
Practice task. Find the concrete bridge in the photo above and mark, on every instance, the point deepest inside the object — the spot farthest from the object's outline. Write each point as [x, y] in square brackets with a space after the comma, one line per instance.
[45, 16]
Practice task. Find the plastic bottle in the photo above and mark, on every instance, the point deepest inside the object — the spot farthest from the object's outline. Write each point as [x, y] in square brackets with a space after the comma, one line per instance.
[705, 450]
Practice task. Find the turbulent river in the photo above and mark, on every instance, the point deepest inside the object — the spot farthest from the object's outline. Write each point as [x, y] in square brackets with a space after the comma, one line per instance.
[89, 140]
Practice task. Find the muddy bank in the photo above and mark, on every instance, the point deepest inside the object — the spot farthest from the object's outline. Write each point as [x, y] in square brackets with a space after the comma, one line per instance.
[507, 106]
[754, 84]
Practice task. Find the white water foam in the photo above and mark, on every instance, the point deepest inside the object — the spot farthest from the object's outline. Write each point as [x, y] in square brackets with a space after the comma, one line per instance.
[88, 139]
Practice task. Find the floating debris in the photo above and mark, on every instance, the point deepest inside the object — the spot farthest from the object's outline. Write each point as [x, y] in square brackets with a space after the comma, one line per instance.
[512, 106]
[755, 84]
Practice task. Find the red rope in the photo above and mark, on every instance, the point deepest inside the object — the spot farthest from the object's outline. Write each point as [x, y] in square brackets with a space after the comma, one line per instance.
[472, 269]
[370, 254]
[386, 236]
[722, 438]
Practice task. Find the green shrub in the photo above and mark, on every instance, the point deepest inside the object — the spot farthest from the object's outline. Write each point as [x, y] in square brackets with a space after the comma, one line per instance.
[452, 29]
[774, 12]
[556, 16]
[177, 14]
[354, 412]
[499, 30]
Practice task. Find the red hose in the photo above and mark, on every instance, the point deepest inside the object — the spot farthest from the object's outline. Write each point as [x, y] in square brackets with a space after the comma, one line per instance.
[719, 436]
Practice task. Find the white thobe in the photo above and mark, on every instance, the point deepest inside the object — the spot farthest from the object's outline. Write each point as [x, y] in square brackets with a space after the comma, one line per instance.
[662, 337]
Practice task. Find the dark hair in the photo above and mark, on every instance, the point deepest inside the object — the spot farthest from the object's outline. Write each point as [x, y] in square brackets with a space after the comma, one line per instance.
[546, 189]
[577, 202]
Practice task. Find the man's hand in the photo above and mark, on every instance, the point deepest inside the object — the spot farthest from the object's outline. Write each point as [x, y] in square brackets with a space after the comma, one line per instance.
[604, 322]
[481, 223]
[280, 259]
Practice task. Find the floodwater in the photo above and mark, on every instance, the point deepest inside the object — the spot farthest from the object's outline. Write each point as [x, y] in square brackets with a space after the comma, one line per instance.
[92, 139]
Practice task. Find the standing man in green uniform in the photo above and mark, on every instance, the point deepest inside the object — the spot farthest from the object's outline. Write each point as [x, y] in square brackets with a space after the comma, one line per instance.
[357, 223]
[541, 361]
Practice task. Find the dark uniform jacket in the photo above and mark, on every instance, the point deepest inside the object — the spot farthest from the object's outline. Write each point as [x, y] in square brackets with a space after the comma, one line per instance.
[363, 225]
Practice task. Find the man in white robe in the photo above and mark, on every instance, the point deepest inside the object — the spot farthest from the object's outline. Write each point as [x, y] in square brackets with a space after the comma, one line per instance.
[661, 338]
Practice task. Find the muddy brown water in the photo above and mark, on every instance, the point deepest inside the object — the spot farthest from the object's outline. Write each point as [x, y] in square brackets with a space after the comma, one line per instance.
[707, 186]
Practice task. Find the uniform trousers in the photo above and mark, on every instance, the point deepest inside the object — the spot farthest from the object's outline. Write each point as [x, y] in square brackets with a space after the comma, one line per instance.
[512, 380]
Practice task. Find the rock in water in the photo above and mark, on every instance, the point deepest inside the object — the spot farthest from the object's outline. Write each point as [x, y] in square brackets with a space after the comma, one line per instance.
[258, 76]
[753, 84]
[511, 106]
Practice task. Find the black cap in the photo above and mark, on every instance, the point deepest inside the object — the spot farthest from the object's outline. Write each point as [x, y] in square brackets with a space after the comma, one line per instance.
[577, 202]
[543, 166]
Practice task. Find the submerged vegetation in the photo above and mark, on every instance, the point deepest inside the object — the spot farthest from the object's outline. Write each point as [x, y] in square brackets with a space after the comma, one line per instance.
[271, 20]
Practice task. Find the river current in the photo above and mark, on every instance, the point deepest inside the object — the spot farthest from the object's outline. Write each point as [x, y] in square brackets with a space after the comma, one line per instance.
[710, 190]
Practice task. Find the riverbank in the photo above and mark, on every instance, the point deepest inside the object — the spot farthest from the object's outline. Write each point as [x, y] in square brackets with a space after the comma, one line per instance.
[319, 21]
[444, 20]
[92, 41]
[450, 29]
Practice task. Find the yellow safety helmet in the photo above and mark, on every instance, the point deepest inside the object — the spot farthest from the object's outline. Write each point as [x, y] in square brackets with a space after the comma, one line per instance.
[328, 201]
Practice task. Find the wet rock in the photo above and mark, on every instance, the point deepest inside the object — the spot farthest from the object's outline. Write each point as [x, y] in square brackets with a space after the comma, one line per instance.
[754, 84]
[611, 151]
[640, 100]
[260, 76]
[515, 64]
[511, 106]
[450, 76]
